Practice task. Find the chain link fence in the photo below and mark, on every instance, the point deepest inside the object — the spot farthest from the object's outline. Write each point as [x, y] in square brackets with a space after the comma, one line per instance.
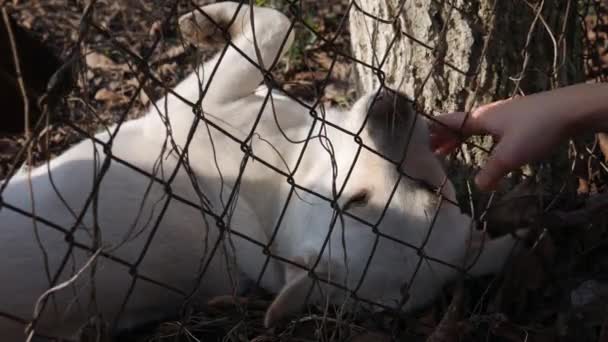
[120, 57]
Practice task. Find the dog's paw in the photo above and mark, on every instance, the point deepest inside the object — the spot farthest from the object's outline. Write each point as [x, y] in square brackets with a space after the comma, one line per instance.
[199, 30]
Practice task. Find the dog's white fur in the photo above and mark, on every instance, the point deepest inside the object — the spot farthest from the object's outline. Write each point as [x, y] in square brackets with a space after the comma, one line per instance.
[120, 219]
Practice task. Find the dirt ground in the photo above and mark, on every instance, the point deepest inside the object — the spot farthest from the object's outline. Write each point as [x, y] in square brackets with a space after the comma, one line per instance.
[558, 292]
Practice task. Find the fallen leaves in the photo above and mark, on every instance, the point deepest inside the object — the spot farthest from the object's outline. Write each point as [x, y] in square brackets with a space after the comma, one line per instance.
[113, 98]
[98, 61]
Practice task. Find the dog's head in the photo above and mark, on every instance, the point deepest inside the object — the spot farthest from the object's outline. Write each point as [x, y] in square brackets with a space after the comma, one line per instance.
[368, 220]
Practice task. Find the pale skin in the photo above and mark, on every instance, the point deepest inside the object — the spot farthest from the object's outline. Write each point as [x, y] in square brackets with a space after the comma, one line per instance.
[527, 128]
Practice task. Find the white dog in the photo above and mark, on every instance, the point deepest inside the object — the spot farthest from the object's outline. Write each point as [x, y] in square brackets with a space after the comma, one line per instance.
[223, 182]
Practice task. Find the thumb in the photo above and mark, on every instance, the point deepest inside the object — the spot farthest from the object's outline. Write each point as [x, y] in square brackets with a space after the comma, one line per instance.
[501, 161]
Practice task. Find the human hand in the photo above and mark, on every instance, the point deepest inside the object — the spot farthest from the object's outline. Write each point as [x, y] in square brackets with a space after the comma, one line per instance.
[526, 128]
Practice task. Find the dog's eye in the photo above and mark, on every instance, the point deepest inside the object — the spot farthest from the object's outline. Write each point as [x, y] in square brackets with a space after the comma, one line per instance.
[359, 199]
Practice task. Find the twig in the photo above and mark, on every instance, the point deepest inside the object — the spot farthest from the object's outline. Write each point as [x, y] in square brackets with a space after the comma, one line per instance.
[58, 287]
[17, 64]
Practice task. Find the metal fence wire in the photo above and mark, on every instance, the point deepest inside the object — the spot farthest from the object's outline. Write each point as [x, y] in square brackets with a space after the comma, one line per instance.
[154, 61]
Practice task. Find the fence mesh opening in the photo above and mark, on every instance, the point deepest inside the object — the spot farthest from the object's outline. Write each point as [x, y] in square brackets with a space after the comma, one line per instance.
[120, 58]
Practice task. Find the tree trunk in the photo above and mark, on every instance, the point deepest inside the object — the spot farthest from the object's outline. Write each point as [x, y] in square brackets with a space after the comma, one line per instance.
[454, 55]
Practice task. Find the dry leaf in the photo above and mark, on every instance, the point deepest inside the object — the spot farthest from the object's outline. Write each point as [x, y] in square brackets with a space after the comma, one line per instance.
[338, 91]
[310, 76]
[583, 187]
[113, 98]
[155, 29]
[143, 98]
[96, 60]
[340, 69]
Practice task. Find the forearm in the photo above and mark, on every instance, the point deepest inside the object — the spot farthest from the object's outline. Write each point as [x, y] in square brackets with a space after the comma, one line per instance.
[588, 107]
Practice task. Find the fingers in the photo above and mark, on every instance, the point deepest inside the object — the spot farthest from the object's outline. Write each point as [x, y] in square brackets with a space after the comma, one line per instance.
[448, 131]
[484, 110]
[478, 122]
[452, 122]
[444, 148]
[490, 174]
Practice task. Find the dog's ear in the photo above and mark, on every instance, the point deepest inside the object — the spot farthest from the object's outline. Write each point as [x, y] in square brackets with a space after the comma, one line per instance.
[299, 287]
[394, 125]
[390, 118]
